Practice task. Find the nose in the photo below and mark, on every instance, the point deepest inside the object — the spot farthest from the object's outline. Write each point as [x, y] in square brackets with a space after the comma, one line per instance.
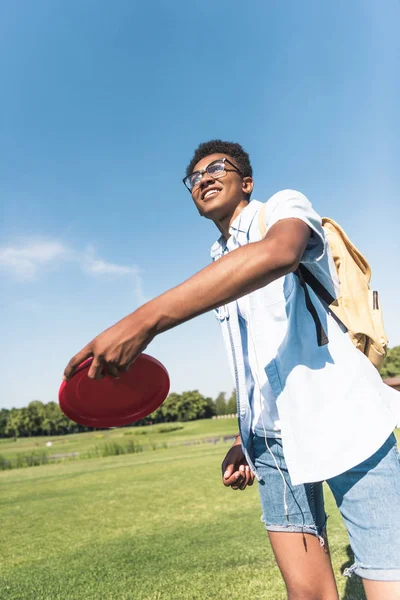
[205, 180]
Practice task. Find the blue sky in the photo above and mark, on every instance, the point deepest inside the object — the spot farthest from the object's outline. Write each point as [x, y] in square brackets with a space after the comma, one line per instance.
[101, 107]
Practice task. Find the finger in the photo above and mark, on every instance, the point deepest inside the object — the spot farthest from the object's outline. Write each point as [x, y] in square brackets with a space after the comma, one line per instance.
[76, 360]
[248, 475]
[238, 483]
[126, 368]
[227, 469]
[251, 477]
[232, 480]
[244, 470]
[228, 481]
[112, 370]
[96, 368]
[242, 483]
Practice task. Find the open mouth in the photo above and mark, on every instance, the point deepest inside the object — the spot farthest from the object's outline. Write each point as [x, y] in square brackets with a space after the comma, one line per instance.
[211, 193]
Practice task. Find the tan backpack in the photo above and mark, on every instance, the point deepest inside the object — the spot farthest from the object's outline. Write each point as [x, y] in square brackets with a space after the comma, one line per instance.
[357, 306]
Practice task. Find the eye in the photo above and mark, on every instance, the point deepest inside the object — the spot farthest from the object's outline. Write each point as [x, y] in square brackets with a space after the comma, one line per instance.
[194, 179]
[216, 168]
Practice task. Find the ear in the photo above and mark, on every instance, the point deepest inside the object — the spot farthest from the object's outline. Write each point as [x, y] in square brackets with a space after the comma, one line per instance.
[247, 185]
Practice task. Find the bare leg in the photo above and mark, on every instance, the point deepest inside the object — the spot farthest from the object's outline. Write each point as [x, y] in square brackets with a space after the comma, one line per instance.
[305, 566]
[379, 590]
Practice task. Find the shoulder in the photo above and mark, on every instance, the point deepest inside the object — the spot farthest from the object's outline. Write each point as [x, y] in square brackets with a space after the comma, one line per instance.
[287, 204]
[283, 203]
[285, 197]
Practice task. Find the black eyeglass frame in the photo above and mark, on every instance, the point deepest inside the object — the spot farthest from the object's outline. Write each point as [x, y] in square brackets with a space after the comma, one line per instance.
[202, 171]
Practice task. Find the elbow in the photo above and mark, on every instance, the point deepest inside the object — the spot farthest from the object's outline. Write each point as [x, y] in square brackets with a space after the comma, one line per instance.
[288, 261]
[285, 244]
[291, 264]
[280, 258]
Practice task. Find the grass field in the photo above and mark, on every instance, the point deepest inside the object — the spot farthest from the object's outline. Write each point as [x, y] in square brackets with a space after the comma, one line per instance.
[151, 526]
[149, 437]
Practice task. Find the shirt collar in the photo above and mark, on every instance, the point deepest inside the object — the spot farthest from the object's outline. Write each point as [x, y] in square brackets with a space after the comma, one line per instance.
[240, 225]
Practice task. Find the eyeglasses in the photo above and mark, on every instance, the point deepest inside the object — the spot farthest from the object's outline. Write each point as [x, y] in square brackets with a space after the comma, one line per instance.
[215, 169]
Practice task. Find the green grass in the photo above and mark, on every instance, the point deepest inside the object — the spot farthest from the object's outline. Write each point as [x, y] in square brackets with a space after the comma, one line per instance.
[96, 442]
[151, 526]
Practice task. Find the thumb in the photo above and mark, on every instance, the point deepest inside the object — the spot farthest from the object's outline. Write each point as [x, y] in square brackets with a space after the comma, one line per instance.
[228, 471]
[85, 353]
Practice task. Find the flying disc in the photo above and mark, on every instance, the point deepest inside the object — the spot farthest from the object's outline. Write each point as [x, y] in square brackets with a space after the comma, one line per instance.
[111, 402]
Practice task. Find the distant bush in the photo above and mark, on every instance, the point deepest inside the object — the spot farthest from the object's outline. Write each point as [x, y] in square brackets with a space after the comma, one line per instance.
[33, 459]
[391, 366]
[169, 428]
[5, 463]
[115, 449]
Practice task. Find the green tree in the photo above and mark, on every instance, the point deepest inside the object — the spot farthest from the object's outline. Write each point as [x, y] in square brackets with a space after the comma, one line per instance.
[55, 422]
[192, 405]
[231, 406]
[220, 404]
[24, 422]
[169, 408]
[14, 423]
[35, 416]
[210, 410]
[391, 366]
[4, 412]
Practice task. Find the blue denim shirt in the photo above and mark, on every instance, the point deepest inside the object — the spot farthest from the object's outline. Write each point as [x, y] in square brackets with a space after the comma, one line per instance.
[333, 408]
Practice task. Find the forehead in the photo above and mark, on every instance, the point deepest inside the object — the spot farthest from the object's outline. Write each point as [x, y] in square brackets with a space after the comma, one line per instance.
[202, 164]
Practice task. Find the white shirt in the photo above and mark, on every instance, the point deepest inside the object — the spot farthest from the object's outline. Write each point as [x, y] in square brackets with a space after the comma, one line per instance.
[265, 417]
[333, 407]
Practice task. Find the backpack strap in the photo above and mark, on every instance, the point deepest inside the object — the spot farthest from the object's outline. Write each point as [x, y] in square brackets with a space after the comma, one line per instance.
[305, 277]
[322, 337]
[316, 285]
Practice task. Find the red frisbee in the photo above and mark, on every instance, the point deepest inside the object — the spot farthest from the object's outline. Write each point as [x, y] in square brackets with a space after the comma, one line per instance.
[111, 402]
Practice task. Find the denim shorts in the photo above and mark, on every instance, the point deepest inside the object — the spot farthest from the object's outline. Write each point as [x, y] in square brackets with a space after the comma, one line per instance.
[368, 497]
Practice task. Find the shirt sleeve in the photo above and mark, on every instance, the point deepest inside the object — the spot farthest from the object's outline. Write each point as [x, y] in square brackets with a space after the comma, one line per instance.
[290, 204]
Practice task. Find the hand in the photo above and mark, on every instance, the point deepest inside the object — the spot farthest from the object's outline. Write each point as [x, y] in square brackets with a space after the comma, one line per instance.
[236, 473]
[114, 350]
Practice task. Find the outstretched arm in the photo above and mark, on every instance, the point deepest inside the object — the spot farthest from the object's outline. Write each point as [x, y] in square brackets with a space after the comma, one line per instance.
[238, 273]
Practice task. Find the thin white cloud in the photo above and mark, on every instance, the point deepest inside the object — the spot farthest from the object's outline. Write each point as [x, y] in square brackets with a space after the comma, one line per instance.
[26, 260]
[101, 267]
[140, 297]
[96, 266]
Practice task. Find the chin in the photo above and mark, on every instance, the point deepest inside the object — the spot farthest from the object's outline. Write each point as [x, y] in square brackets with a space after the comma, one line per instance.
[207, 210]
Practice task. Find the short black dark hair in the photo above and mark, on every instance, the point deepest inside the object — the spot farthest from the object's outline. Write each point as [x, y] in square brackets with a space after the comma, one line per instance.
[232, 149]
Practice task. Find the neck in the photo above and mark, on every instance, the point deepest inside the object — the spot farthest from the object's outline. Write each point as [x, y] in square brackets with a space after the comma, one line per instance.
[225, 222]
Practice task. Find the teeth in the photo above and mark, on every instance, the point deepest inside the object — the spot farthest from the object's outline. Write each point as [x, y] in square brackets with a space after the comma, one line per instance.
[210, 193]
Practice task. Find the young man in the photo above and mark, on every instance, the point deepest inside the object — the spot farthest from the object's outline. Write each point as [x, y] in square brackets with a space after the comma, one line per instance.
[307, 413]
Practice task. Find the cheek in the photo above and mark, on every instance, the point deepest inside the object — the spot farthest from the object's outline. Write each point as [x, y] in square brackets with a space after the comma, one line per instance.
[197, 205]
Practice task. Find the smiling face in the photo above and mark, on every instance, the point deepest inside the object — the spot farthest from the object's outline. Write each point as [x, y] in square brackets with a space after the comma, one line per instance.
[221, 199]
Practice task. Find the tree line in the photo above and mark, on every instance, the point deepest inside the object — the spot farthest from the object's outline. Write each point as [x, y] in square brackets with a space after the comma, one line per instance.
[391, 366]
[47, 419]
